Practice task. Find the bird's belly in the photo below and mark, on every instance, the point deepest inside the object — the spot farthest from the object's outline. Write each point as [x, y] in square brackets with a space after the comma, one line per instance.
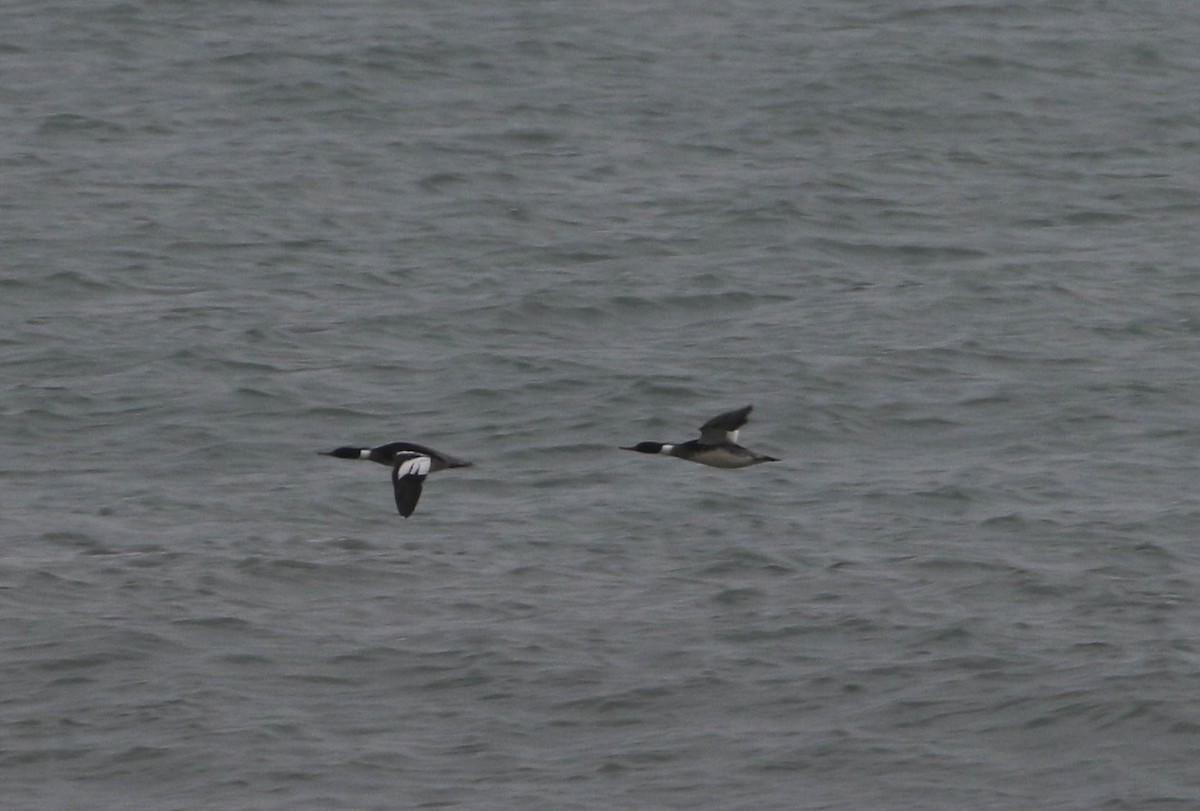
[720, 457]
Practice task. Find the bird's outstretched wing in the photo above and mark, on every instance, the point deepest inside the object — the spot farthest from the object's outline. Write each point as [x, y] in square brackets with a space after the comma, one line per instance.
[724, 427]
[408, 474]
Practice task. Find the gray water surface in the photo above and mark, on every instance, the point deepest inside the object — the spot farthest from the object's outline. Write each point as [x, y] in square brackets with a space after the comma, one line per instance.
[948, 250]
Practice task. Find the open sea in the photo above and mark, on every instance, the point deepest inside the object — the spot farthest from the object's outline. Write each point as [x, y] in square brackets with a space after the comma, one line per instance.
[947, 248]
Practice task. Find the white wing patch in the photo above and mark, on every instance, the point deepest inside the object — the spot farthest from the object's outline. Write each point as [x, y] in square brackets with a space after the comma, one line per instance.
[732, 435]
[417, 466]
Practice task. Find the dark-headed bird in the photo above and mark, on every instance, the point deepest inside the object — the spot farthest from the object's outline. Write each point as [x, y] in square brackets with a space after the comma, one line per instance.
[717, 445]
[410, 464]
